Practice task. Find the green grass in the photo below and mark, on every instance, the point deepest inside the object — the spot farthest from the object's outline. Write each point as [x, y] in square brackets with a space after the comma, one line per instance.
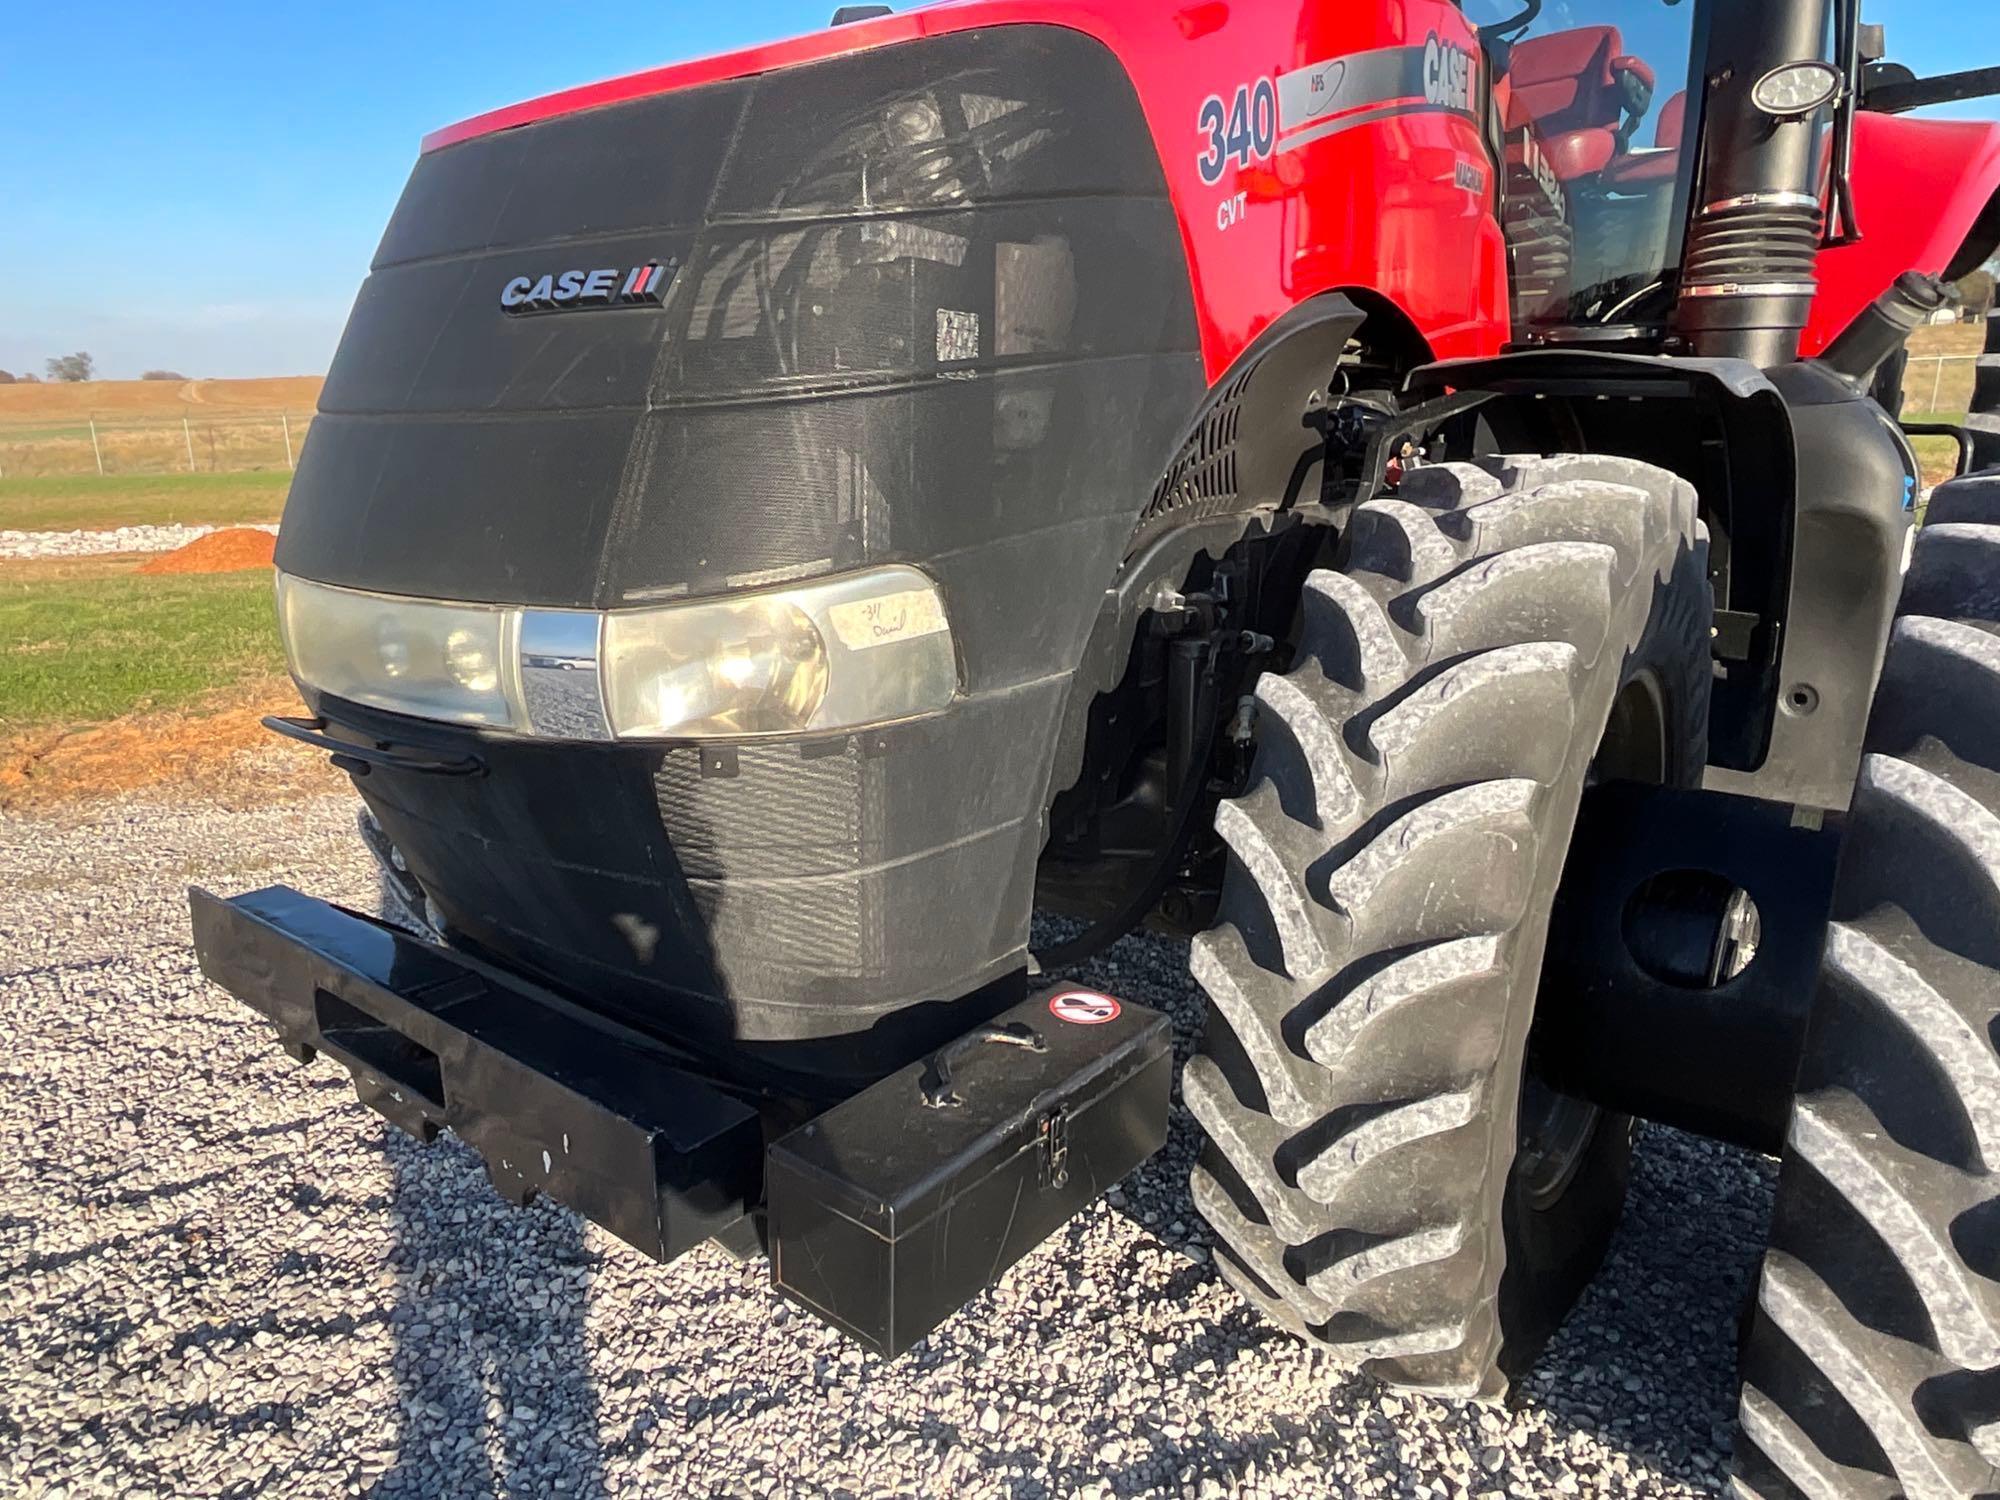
[86, 649]
[90, 503]
[46, 433]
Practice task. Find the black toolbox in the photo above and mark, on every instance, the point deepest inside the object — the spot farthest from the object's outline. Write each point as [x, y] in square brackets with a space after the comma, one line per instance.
[894, 1208]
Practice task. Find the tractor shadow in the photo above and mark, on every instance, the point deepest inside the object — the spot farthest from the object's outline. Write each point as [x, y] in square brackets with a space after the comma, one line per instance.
[494, 1388]
[490, 1355]
[1646, 1362]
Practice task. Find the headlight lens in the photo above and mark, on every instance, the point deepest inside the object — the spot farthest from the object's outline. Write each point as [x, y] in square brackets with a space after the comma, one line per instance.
[438, 661]
[839, 653]
[472, 661]
[757, 666]
[843, 652]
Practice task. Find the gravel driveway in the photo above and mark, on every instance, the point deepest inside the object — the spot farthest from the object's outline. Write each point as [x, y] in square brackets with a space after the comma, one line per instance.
[220, 1276]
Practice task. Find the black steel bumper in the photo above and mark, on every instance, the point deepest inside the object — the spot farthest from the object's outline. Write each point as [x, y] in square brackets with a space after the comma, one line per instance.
[554, 1099]
[884, 1213]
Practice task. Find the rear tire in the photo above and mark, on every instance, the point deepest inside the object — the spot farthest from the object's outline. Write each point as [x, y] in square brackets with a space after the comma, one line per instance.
[1872, 1362]
[1983, 424]
[1372, 978]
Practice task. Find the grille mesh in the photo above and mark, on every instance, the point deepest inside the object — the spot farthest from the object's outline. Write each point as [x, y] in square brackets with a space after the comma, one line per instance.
[782, 817]
[1202, 477]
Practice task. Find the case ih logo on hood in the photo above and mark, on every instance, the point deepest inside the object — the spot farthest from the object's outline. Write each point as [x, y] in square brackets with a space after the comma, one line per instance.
[1449, 73]
[609, 286]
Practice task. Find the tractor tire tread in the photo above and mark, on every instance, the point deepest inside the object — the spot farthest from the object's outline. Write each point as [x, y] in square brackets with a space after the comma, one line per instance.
[1872, 1359]
[1416, 776]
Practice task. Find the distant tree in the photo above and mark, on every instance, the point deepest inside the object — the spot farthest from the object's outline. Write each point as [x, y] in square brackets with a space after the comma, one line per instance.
[6, 377]
[72, 367]
[1976, 293]
[163, 375]
[29, 377]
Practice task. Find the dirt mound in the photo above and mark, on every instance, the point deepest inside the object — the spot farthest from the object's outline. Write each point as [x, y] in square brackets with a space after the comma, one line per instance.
[234, 549]
[214, 749]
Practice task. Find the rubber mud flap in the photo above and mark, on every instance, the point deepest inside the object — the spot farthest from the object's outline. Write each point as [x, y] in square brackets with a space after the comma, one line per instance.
[892, 1210]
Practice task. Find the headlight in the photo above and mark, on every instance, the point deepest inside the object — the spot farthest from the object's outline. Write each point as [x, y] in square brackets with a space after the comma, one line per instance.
[438, 661]
[840, 653]
[864, 649]
[754, 666]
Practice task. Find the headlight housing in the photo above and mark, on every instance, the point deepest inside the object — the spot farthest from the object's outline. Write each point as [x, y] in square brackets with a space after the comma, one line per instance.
[835, 654]
[441, 661]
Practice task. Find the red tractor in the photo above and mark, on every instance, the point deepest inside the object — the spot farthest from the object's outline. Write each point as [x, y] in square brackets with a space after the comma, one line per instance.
[1409, 495]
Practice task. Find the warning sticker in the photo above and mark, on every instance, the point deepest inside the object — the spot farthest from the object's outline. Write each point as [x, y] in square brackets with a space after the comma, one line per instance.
[1084, 1007]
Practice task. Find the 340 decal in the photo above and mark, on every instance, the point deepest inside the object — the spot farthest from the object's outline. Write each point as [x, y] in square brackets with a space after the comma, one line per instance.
[1243, 130]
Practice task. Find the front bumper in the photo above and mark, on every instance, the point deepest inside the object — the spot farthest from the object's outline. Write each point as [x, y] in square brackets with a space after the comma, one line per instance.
[554, 1099]
[883, 1214]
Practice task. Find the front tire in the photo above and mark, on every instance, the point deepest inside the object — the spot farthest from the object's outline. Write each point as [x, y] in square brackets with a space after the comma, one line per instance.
[1373, 975]
[1871, 1368]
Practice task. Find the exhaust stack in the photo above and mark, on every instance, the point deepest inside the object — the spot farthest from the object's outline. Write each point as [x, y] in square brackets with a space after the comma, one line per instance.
[1747, 281]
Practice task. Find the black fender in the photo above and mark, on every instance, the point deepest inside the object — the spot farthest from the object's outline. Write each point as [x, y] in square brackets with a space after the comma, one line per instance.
[1251, 444]
[1246, 479]
[1805, 487]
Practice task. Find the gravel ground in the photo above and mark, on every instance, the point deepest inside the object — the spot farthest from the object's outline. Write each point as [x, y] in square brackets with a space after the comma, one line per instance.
[220, 1276]
[98, 543]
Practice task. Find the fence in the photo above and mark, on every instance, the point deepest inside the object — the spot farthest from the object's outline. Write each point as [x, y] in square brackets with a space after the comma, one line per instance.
[1939, 383]
[229, 440]
[226, 441]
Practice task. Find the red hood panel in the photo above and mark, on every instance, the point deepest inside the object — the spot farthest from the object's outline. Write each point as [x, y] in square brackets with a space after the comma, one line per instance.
[1919, 189]
[814, 46]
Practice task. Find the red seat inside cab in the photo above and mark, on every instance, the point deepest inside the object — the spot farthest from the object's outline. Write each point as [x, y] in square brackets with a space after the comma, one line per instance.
[1566, 85]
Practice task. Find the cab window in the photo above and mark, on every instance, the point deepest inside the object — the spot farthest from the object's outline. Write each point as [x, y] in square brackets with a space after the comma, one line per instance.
[1591, 99]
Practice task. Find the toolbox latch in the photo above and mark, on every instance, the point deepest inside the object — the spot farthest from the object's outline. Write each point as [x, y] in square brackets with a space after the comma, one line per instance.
[1055, 1146]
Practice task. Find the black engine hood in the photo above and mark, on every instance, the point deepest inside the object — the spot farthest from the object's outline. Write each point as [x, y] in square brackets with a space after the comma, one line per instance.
[930, 307]
[924, 298]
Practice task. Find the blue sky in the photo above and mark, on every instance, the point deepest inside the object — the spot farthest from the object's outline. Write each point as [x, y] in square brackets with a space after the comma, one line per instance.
[201, 186]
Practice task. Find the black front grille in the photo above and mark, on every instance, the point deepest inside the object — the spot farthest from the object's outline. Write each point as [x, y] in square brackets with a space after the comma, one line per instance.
[906, 280]
[782, 813]
[1202, 478]
[775, 853]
